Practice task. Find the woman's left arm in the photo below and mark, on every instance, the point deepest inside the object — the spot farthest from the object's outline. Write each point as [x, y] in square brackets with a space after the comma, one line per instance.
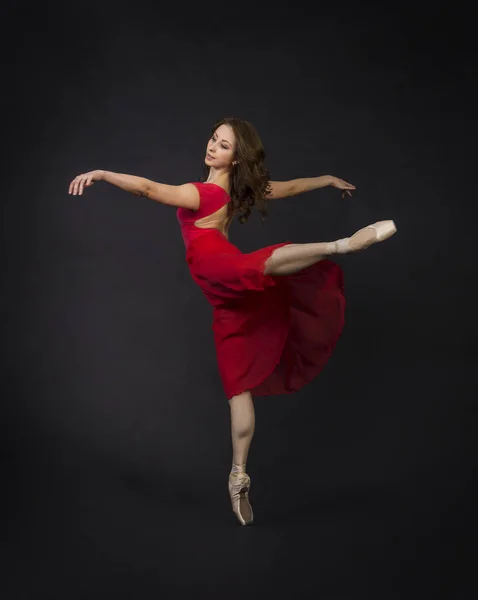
[294, 187]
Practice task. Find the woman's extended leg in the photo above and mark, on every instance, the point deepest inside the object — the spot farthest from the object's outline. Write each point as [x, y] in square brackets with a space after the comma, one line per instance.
[242, 430]
[295, 257]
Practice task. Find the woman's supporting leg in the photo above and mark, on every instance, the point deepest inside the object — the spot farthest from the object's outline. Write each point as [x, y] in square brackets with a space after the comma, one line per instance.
[242, 428]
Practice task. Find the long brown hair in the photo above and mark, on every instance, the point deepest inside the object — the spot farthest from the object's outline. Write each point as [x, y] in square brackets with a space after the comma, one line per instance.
[249, 177]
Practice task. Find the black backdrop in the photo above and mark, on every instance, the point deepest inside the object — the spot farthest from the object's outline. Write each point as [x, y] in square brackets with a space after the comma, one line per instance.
[116, 440]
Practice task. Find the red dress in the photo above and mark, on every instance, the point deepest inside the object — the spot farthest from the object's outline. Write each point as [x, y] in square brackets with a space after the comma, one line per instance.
[273, 334]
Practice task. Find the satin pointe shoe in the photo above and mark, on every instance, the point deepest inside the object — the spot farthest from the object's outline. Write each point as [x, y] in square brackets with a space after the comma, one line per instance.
[365, 237]
[239, 485]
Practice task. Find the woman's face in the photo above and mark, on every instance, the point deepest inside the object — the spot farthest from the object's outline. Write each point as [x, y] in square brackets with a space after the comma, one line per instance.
[221, 148]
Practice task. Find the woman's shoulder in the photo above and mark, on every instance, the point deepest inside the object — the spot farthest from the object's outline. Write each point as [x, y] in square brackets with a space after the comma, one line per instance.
[211, 195]
[210, 186]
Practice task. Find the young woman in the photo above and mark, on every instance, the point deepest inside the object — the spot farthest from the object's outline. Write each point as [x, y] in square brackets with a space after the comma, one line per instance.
[277, 312]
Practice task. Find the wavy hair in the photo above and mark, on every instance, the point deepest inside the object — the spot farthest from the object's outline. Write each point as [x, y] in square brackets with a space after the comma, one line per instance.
[249, 180]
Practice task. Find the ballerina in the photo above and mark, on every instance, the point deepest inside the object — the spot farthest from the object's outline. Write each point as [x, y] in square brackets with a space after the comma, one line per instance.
[278, 312]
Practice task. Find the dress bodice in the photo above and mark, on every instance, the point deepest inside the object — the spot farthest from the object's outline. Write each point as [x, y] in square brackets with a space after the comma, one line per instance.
[212, 197]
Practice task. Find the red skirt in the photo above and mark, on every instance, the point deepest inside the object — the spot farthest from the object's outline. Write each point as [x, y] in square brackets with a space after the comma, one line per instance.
[273, 334]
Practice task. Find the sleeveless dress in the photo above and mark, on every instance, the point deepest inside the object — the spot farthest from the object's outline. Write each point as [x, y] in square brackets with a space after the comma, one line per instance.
[273, 334]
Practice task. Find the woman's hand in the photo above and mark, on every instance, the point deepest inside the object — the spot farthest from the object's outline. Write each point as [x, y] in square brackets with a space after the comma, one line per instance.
[84, 180]
[342, 185]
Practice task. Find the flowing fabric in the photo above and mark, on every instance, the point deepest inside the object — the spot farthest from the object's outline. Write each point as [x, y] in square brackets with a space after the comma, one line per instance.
[273, 334]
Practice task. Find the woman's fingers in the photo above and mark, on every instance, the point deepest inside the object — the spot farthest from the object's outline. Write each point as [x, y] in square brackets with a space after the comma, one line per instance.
[76, 183]
[343, 185]
[82, 185]
[79, 183]
[72, 186]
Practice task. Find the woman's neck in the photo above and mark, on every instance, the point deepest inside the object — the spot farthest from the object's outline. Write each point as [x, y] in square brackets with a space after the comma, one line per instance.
[219, 177]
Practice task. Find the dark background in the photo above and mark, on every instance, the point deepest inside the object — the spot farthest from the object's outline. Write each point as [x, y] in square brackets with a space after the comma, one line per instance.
[115, 430]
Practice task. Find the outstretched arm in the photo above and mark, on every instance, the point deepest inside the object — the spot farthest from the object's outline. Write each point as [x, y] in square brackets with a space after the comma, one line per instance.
[294, 187]
[184, 196]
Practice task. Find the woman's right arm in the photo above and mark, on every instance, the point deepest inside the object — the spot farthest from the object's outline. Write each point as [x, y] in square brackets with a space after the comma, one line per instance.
[184, 196]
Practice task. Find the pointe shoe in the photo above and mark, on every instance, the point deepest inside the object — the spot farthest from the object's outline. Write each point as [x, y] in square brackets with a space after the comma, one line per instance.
[239, 485]
[365, 237]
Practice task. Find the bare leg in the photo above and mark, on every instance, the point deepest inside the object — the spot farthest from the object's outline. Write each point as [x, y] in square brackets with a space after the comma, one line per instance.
[242, 427]
[242, 430]
[295, 257]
